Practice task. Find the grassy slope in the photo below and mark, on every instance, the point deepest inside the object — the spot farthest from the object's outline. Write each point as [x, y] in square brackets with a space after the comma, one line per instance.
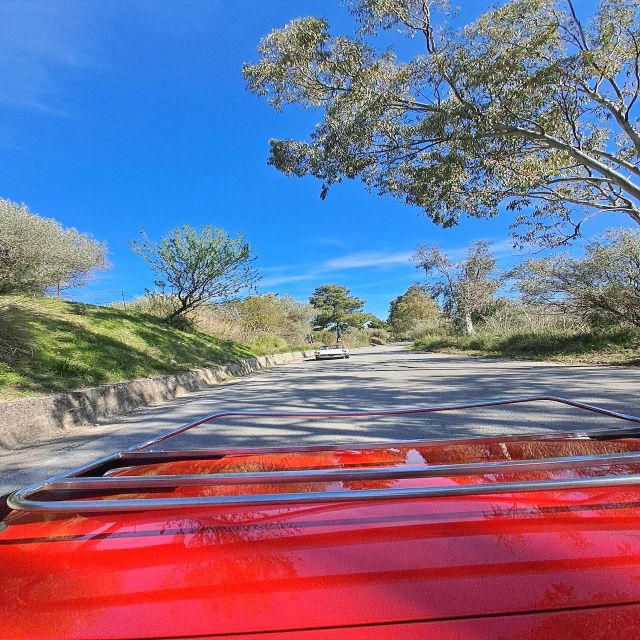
[48, 345]
[614, 347]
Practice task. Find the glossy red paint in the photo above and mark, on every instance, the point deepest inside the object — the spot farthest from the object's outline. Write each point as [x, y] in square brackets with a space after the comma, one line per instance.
[552, 564]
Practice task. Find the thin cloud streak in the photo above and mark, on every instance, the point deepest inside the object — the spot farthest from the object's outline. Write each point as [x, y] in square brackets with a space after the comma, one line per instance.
[368, 259]
[270, 282]
[360, 260]
[284, 274]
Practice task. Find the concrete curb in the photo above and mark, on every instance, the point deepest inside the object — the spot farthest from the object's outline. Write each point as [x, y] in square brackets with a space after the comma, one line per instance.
[23, 421]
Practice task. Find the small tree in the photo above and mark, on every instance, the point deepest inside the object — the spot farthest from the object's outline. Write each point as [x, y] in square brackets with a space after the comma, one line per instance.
[336, 309]
[38, 254]
[465, 288]
[412, 311]
[198, 265]
[602, 288]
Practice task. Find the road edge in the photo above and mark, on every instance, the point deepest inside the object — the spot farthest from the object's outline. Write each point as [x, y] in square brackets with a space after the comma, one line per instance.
[29, 419]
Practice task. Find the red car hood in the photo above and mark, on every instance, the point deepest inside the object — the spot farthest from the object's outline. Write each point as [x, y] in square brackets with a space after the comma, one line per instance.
[460, 566]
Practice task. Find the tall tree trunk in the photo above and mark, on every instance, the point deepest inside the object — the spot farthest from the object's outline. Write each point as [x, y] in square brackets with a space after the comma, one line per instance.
[468, 324]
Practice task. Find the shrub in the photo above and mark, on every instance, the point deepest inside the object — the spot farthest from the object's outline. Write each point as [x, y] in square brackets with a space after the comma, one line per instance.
[602, 288]
[38, 254]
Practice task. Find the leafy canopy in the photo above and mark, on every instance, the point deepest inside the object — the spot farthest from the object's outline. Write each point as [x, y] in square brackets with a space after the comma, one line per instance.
[530, 106]
[38, 254]
[198, 265]
[336, 309]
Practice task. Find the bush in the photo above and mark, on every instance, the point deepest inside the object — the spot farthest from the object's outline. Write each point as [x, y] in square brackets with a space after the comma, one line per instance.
[268, 344]
[353, 337]
[378, 336]
[325, 336]
[256, 320]
[153, 304]
[602, 288]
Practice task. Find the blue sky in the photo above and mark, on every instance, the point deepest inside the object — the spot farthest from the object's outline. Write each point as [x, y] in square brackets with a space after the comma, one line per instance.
[120, 115]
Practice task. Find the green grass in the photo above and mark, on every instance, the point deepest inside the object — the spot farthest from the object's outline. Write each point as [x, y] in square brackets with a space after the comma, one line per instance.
[49, 345]
[612, 347]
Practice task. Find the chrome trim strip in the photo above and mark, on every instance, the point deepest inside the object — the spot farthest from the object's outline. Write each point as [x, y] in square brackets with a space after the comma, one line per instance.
[335, 475]
[141, 456]
[389, 412]
[20, 499]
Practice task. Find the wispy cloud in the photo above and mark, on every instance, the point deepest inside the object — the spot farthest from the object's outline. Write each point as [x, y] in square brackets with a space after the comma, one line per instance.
[283, 274]
[372, 260]
[368, 259]
[274, 280]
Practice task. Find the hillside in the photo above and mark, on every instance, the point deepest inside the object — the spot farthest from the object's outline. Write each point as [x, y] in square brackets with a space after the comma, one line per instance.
[48, 345]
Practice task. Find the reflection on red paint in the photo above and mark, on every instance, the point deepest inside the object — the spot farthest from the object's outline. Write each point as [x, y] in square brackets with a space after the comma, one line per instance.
[554, 564]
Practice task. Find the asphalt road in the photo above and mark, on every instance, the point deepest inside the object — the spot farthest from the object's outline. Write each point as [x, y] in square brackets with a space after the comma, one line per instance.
[385, 377]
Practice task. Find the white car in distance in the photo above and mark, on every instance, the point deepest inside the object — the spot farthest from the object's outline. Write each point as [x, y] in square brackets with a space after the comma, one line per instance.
[338, 351]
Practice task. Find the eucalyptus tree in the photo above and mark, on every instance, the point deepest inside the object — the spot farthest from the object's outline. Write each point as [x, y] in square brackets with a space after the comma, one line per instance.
[39, 255]
[196, 266]
[465, 288]
[531, 107]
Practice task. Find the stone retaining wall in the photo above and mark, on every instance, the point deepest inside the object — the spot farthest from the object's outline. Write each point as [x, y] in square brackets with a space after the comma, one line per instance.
[23, 421]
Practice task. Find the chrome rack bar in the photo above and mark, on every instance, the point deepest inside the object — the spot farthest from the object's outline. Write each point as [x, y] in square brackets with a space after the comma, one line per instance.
[334, 475]
[20, 499]
[85, 481]
[393, 412]
[140, 457]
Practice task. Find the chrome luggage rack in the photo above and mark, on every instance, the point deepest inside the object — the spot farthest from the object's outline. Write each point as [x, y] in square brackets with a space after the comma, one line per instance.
[71, 491]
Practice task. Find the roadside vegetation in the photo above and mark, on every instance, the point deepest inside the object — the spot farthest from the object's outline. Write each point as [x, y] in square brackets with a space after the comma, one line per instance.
[621, 347]
[563, 307]
[48, 344]
[200, 312]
